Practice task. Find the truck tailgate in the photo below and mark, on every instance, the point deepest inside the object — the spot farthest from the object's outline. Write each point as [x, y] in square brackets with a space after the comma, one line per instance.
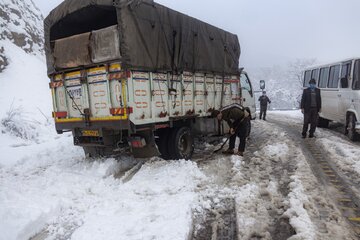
[99, 91]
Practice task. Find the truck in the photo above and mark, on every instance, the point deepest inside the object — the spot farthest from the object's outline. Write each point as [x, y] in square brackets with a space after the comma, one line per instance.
[133, 76]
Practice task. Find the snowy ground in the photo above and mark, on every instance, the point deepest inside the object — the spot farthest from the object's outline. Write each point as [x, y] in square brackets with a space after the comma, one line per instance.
[48, 189]
[345, 154]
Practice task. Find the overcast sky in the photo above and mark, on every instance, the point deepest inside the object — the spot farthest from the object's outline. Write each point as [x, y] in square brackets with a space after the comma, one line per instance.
[276, 31]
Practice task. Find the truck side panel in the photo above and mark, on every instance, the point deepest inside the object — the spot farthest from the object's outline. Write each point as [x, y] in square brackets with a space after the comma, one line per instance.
[160, 97]
[141, 96]
[218, 91]
[175, 86]
[188, 99]
[227, 100]
[235, 92]
[109, 92]
[210, 93]
[200, 94]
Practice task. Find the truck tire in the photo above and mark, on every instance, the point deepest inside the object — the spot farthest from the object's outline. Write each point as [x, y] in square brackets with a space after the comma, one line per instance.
[323, 123]
[162, 143]
[181, 143]
[350, 127]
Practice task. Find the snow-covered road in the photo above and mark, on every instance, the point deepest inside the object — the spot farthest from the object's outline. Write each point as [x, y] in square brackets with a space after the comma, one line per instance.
[275, 192]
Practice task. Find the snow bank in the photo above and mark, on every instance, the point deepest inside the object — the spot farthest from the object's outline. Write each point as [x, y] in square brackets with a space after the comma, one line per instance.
[24, 83]
[155, 204]
[25, 100]
[252, 215]
[80, 199]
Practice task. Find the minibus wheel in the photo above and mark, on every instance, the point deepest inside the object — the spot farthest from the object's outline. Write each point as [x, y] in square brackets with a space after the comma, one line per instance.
[351, 127]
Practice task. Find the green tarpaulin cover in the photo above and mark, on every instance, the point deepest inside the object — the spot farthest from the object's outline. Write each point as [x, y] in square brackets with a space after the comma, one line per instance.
[151, 37]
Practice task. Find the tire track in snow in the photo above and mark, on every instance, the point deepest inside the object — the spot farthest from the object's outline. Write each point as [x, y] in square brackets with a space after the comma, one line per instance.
[337, 189]
[253, 174]
[271, 172]
[218, 222]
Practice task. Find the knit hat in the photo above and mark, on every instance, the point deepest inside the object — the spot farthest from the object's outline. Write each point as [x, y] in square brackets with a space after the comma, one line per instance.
[312, 81]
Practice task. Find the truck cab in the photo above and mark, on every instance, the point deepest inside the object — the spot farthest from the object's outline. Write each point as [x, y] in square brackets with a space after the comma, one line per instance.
[247, 93]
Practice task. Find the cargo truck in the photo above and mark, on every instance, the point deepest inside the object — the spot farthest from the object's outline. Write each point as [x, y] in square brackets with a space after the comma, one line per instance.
[136, 76]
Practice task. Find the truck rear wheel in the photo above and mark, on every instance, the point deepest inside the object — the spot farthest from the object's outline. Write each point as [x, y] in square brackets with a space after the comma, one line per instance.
[181, 143]
[162, 143]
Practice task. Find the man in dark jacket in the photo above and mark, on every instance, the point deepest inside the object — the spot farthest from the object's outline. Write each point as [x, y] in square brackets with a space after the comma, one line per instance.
[310, 107]
[238, 119]
[264, 100]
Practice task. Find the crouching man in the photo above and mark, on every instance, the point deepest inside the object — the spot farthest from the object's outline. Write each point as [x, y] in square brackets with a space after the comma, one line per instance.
[238, 120]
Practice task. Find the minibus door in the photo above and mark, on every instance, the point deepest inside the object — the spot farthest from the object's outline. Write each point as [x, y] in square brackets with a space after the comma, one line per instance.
[344, 94]
[330, 96]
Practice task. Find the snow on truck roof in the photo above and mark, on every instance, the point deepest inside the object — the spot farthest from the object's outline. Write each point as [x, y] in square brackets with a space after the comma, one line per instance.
[151, 36]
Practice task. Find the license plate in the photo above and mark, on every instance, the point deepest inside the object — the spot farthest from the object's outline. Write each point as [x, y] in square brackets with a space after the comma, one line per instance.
[90, 133]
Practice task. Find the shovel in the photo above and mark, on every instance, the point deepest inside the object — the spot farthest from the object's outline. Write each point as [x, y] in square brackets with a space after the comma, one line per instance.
[222, 146]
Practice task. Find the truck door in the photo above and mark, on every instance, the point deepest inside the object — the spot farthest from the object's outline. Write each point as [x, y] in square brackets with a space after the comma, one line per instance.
[247, 94]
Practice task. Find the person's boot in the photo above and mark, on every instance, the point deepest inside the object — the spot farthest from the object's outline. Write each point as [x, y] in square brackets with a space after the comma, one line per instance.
[311, 135]
[240, 153]
[229, 151]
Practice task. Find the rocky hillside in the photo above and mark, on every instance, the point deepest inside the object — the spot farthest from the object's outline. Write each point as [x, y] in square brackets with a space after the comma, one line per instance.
[21, 23]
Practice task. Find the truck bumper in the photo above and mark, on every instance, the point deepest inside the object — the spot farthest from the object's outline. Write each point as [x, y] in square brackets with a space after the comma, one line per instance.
[114, 125]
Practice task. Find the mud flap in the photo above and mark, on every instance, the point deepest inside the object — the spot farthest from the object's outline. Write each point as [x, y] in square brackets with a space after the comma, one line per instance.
[150, 150]
[146, 150]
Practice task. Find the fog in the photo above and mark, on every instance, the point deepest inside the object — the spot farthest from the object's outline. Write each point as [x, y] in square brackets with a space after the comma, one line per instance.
[273, 32]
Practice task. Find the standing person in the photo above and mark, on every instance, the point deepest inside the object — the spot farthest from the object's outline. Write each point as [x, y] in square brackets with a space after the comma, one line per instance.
[237, 118]
[310, 107]
[264, 100]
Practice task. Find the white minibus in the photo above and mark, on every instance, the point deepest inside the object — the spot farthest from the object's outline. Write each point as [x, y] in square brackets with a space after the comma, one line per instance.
[340, 92]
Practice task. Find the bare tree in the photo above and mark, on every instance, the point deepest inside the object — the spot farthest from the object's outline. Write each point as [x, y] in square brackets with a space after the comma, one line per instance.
[297, 67]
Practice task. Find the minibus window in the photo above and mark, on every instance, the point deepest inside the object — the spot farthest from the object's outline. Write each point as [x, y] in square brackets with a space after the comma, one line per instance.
[324, 77]
[334, 76]
[307, 78]
[356, 81]
[345, 74]
[315, 74]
